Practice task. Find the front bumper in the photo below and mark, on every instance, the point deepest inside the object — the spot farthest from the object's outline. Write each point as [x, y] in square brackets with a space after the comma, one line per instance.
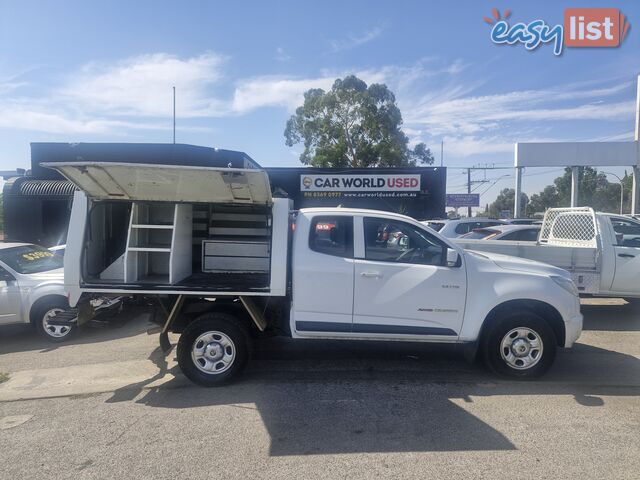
[573, 329]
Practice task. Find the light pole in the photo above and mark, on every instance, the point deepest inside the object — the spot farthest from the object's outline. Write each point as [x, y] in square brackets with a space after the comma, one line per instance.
[621, 189]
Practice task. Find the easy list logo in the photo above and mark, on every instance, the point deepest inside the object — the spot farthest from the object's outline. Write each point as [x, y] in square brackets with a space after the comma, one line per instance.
[583, 27]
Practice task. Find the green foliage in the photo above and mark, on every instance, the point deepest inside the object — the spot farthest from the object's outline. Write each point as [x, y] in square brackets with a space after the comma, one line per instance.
[352, 125]
[505, 201]
[594, 190]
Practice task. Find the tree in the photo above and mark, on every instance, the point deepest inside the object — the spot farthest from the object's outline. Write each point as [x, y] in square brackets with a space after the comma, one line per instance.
[594, 190]
[352, 125]
[548, 198]
[505, 201]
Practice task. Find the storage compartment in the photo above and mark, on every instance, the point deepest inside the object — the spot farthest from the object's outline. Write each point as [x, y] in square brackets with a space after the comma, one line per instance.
[159, 245]
[171, 215]
[234, 256]
[106, 241]
[195, 246]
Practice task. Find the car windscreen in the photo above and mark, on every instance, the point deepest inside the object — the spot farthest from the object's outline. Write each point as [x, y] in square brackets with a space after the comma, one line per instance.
[30, 259]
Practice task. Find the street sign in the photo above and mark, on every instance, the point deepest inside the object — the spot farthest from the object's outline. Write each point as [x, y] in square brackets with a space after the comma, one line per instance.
[463, 200]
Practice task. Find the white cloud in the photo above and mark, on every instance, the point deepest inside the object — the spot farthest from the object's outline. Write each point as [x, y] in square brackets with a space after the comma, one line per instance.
[353, 40]
[282, 56]
[453, 111]
[436, 100]
[272, 91]
[142, 85]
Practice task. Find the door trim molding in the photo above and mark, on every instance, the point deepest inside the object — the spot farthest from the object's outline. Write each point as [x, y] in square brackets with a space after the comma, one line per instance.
[303, 326]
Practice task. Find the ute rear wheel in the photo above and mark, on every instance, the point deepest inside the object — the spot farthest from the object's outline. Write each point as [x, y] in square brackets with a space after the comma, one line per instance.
[213, 349]
[519, 345]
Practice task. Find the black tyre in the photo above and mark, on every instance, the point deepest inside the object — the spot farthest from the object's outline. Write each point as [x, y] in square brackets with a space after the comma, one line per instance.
[213, 349]
[519, 345]
[43, 312]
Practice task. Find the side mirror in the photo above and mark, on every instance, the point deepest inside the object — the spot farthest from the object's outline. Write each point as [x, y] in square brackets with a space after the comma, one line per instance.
[453, 258]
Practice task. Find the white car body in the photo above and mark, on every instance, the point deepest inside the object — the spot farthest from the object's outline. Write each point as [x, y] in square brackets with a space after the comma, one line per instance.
[461, 226]
[21, 293]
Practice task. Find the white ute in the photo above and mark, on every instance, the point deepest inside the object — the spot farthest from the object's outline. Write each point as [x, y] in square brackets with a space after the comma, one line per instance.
[32, 289]
[600, 250]
[238, 261]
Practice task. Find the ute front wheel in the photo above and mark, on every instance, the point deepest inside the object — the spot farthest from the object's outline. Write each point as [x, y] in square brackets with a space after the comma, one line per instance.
[519, 345]
[213, 349]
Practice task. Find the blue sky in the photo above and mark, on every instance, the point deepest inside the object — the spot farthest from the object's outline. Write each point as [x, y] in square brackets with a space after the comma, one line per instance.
[103, 71]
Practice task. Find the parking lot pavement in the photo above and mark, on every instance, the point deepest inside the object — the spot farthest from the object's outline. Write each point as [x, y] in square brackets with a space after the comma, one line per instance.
[321, 410]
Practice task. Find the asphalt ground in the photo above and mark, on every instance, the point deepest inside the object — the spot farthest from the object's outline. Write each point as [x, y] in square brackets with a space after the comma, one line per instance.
[108, 404]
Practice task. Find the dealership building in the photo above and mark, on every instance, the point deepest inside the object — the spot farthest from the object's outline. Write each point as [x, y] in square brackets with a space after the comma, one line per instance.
[37, 206]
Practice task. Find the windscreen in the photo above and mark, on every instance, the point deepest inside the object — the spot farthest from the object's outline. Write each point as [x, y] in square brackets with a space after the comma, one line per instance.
[30, 259]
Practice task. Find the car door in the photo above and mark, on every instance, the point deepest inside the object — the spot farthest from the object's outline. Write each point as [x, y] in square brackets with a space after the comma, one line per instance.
[323, 275]
[627, 249]
[10, 298]
[404, 288]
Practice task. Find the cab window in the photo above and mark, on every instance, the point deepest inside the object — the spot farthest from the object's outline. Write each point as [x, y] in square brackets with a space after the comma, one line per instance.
[627, 232]
[400, 242]
[332, 236]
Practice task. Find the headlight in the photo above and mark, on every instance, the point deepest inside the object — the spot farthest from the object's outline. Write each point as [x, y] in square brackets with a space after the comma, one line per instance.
[566, 283]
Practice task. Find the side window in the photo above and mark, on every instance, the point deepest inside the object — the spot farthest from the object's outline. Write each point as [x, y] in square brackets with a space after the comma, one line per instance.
[511, 236]
[529, 235]
[627, 232]
[399, 242]
[332, 236]
[464, 227]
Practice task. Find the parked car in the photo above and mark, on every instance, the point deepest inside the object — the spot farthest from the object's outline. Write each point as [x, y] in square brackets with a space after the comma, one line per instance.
[516, 233]
[32, 288]
[461, 226]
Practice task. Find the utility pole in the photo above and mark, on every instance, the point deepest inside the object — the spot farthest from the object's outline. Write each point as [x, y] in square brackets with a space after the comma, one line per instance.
[442, 153]
[469, 190]
[174, 115]
[636, 168]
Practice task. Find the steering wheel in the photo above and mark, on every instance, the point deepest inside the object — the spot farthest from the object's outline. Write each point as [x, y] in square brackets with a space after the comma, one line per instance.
[405, 253]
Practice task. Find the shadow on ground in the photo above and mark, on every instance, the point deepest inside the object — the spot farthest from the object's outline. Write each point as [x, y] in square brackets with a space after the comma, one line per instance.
[318, 397]
[612, 318]
[133, 321]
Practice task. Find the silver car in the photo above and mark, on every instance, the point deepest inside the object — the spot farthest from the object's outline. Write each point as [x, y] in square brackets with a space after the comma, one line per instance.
[32, 289]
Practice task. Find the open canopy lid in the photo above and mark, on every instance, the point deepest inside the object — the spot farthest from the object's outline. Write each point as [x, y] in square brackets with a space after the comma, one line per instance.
[167, 183]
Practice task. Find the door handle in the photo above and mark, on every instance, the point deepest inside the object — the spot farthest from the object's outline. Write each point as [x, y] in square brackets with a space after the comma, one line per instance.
[371, 274]
[626, 255]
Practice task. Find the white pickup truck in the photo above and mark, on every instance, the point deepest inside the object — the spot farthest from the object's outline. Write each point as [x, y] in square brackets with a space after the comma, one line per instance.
[239, 261]
[600, 250]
